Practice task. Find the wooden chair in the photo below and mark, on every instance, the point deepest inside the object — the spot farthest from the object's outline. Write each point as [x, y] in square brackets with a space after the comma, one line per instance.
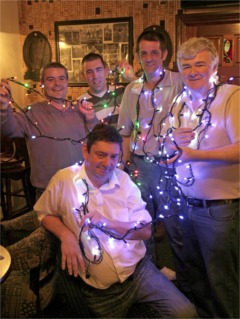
[14, 167]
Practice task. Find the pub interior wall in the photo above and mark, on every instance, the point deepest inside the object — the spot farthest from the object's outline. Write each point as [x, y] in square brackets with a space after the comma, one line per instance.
[40, 16]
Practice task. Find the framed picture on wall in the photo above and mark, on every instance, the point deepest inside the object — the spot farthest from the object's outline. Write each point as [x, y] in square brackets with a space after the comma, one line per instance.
[112, 38]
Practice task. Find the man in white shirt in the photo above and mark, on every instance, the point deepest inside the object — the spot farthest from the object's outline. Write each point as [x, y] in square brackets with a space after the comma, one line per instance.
[97, 213]
[106, 99]
[203, 127]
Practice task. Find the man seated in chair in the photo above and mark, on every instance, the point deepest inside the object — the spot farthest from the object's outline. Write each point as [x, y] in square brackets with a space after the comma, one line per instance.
[97, 213]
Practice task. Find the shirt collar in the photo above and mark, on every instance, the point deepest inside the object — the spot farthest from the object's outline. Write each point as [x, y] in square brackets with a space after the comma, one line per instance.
[108, 90]
[138, 84]
[114, 181]
[60, 106]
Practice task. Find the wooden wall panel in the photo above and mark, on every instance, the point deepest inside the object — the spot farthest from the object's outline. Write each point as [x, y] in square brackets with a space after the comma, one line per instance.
[237, 49]
[216, 26]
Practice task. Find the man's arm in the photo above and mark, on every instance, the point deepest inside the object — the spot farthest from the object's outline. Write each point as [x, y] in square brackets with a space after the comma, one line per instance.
[139, 231]
[12, 123]
[71, 254]
[118, 227]
[126, 71]
[125, 150]
[86, 108]
[5, 94]
[225, 154]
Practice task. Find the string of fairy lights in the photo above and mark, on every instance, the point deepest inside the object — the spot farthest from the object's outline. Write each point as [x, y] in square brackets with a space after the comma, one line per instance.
[203, 123]
[107, 102]
[65, 102]
[112, 95]
[28, 108]
[170, 191]
[96, 248]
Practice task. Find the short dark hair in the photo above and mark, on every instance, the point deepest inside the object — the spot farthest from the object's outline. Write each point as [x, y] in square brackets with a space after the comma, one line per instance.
[53, 65]
[103, 132]
[152, 35]
[92, 56]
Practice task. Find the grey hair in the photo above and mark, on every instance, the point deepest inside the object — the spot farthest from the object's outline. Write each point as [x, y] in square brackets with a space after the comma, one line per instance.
[190, 48]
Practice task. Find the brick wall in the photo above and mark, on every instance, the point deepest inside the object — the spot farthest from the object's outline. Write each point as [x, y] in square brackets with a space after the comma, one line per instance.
[40, 15]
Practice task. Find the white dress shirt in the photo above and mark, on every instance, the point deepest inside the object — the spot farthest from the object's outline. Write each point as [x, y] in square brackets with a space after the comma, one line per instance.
[119, 199]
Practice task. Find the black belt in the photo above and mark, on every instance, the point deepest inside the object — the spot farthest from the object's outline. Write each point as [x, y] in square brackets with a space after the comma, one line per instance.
[142, 156]
[195, 202]
[138, 156]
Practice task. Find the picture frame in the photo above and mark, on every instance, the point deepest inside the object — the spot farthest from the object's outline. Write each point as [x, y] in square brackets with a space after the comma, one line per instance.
[112, 38]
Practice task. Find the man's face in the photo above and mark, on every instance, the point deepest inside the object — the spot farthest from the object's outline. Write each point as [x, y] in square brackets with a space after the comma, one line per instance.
[55, 83]
[95, 74]
[101, 161]
[197, 73]
[151, 57]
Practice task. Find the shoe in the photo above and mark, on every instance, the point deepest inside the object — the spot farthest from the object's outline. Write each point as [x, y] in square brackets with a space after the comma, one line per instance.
[169, 273]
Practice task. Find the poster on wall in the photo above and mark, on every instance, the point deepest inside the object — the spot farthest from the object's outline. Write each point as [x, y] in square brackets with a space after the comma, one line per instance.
[112, 38]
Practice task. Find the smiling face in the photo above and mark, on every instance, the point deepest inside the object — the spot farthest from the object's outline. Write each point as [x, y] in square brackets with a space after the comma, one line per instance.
[55, 83]
[101, 161]
[151, 57]
[95, 74]
[198, 72]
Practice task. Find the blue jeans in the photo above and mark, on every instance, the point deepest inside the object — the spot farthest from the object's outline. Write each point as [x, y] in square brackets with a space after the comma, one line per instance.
[145, 285]
[211, 255]
[151, 177]
[174, 231]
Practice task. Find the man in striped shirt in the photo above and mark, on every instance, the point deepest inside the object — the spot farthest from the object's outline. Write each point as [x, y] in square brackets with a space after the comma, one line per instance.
[106, 98]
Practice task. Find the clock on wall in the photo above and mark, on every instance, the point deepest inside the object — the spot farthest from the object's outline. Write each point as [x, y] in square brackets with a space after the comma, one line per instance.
[36, 54]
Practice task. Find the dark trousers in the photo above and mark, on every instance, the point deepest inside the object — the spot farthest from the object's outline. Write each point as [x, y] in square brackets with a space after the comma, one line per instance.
[211, 256]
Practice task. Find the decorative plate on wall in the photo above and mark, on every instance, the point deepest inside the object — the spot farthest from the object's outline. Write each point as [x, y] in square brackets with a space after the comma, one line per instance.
[36, 54]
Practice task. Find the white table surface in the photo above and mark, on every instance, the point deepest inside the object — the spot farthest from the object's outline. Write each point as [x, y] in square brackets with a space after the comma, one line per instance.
[5, 263]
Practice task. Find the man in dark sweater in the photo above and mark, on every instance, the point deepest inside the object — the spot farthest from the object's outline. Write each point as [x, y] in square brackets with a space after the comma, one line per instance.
[53, 128]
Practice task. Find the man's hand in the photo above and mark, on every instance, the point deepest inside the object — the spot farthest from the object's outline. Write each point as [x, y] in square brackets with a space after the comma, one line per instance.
[5, 94]
[71, 255]
[184, 155]
[116, 227]
[183, 136]
[86, 108]
[126, 71]
[93, 218]
[224, 154]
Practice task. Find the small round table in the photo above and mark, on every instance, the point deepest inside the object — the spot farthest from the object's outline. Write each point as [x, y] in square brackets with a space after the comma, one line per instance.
[5, 263]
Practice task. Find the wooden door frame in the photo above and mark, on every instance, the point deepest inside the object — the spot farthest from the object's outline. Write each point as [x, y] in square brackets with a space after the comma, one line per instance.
[186, 20]
[185, 23]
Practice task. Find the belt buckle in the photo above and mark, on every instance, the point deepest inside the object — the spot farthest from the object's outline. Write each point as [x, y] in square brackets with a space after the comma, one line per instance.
[188, 202]
[197, 203]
